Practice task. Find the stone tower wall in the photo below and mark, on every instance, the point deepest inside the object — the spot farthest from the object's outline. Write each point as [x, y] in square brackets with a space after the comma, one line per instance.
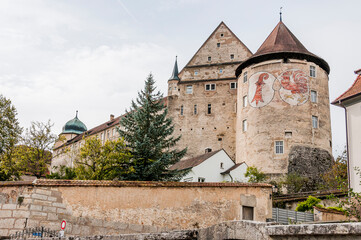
[281, 115]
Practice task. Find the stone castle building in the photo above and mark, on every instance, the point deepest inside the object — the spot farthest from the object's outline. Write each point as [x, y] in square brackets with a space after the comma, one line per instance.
[257, 107]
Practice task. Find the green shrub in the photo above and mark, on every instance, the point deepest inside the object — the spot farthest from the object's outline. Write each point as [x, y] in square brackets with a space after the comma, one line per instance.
[254, 175]
[309, 204]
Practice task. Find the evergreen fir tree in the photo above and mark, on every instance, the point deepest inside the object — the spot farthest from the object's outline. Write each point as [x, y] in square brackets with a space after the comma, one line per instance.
[148, 133]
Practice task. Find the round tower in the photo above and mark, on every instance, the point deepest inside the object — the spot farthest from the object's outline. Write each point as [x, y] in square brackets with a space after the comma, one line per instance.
[283, 103]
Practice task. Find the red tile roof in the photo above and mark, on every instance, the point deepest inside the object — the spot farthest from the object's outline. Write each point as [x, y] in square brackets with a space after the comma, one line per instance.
[353, 91]
[232, 168]
[103, 183]
[192, 162]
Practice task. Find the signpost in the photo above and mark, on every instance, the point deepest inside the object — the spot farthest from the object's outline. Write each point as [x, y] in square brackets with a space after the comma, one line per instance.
[62, 226]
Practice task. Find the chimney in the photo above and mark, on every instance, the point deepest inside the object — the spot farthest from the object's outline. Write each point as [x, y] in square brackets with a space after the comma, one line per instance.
[358, 72]
[111, 117]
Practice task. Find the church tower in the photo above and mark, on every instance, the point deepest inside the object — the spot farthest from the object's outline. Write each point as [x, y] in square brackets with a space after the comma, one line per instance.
[283, 103]
[173, 80]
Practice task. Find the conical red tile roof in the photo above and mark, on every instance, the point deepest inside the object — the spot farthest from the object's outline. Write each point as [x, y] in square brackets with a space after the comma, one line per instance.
[280, 44]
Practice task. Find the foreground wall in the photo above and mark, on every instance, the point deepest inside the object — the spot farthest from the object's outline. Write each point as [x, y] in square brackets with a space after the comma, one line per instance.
[110, 207]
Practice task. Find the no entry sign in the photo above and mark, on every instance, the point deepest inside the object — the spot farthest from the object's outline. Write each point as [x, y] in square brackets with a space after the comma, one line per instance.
[63, 225]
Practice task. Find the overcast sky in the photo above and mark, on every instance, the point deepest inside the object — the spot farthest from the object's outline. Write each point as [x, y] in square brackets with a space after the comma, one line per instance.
[59, 56]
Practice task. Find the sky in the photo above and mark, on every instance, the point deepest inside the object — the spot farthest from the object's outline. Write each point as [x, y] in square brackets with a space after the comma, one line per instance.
[59, 56]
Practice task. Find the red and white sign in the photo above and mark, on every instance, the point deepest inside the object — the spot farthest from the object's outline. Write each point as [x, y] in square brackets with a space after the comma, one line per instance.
[63, 225]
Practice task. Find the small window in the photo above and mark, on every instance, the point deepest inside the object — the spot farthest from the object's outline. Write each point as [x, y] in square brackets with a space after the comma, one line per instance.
[195, 109]
[244, 125]
[288, 134]
[221, 165]
[209, 58]
[313, 96]
[195, 72]
[233, 85]
[210, 87]
[245, 77]
[245, 101]
[222, 35]
[114, 132]
[232, 56]
[314, 122]
[247, 213]
[181, 110]
[201, 179]
[189, 89]
[207, 150]
[218, 44]
[221, 70]
[209, 110]
[279, 147]
[312, 71]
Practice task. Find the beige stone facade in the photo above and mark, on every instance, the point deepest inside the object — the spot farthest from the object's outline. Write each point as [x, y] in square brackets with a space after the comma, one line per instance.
[279, 120]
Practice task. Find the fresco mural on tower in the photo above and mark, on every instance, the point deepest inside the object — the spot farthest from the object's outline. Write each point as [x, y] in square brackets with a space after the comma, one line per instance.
[294, 90]
[260, 89]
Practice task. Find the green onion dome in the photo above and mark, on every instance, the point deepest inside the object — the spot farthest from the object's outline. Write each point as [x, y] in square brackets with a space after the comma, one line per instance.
[74, 126]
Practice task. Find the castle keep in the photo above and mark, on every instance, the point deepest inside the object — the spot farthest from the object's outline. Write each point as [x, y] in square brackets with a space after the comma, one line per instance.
[257, 107]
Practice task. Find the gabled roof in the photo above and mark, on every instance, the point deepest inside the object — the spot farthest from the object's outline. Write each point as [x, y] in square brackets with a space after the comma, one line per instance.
[353, 91]
[232, 168]
[281, 43]
[192, 162]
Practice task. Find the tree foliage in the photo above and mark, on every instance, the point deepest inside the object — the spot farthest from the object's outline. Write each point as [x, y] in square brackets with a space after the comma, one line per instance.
[148, 133]
[255, 175]
[10, 132]
[33, 155]
[336, 177]
[294, 183]
[103, 162]
[308, 204]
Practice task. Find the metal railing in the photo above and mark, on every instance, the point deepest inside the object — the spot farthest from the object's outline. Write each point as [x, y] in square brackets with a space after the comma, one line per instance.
[37, 232]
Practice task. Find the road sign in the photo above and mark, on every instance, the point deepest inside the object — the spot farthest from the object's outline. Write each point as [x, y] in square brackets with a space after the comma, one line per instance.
[63, 225]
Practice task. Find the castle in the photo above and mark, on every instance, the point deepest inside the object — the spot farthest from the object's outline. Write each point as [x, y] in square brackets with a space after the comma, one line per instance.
[257, 107]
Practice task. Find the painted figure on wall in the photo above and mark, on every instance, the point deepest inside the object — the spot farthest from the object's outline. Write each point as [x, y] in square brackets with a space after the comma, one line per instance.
[260, 89]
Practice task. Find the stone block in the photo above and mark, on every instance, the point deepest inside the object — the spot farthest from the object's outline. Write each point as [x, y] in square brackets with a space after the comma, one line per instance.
[9, 206]
[21, 214]
[43, 191]
[33, 223]
[49, 209]
[53, 217]
[36, 207]
[20, 223]
[7, 223]
[39, 196]
[5, 213]
[75, 230]
[4, 232]
[136, 228]
[85, 230]
[96, 222]
[149, 229]
[41, 202]
[52, 199]
[59, 205]
[38, 215]
[61, 210]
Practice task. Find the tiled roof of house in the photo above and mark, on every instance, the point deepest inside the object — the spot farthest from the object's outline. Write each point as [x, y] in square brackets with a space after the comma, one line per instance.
[232, 168]
[104, 183]
[354, 90]
[192, 162]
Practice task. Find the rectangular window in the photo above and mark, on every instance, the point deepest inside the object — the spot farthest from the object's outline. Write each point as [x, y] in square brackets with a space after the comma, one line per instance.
[195, 109]
[245, 101]
[210, 87]
[221, 165]
[181, 110]
[245, 77]
[200, 179]
[209, 58]
[209, 110]
[313, 96]
[312, 71]
[189, 89]
[247, 213]
[279, 147]
[244, 125]
[232, 56]
[220, 70]
[233, 85]
[218, 44]
[114, 130]
[195, 72]
[314, 122]
[108, 134]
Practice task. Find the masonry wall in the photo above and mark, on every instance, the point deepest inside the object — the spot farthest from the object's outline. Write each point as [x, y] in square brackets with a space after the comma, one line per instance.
[280, 114]
[107, 207]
